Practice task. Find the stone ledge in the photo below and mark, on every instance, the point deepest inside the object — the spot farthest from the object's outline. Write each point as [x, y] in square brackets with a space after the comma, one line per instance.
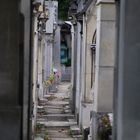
[105, 2]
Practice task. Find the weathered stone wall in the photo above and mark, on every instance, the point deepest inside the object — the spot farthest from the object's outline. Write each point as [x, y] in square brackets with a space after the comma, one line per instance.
[12, 81]
[128, 87]
[105, 56]
[10, 99]
[91, 28]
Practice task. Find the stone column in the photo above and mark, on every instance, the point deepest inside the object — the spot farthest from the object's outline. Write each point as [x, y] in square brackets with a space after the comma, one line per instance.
[34, 69]
[72, 98]
[14, 69]
[82, 94]
[128, 71]
[27, 97]
[40, 68]
[78, 68]
[56, 50]
[85, 100]
[10, 98]
[105, 58]
[49, 55]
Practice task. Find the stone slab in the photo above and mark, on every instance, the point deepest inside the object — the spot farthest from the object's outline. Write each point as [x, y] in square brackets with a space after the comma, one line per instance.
[57, 124]
[64, 139]
[38, 138]
[58, 103]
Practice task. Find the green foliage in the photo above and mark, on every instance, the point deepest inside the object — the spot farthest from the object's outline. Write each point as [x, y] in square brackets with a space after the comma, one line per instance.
[63, 8]
[105, 128]
[46, 136]
[52, 77]
[49, 82]
[39, 127]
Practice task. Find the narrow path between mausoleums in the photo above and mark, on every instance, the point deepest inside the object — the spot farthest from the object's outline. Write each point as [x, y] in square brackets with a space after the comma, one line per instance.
[54, 119]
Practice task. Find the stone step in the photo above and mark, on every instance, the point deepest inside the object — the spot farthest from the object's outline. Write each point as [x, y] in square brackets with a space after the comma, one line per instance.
[53, 107]
[67, 107]
[67, 110]
[52, 119]
[54, 111]
[53, 103]
[75, 130]
[64, 139]
[58, 130]
[43, 100]
[38, 138]
[60, 115]
[57, 123]
[53, 90]
[58, 95]
[56, 117]
[71, 120]
[79, 137]
[58, 134]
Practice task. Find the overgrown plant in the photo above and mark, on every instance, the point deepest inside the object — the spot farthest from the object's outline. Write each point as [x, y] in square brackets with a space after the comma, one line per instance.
[46, 136]
[38, 127]
[63, 9]
[50, 80]
[104, 129]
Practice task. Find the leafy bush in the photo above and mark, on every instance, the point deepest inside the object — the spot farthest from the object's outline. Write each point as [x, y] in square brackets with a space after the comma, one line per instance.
[63, 9]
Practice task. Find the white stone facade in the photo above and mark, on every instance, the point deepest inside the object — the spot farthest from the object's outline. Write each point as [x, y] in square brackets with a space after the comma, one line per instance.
[95, 68]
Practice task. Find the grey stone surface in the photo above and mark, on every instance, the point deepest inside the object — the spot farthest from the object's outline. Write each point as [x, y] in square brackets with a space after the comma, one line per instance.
[25, 6]
[128, 86]
[11, 69]
[38, 138]
[56, 50]
[57, 125]
[65, 139]
[86, 108]
[58, 133]
[10, 123]
[107, 43]
[9, 54]
[107, 10]
[104, 89]
[105, 57]
[60, 115]
[75, 130]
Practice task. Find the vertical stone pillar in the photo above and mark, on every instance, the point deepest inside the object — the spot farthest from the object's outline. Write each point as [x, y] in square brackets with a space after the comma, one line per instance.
[78, 68]
[27, 97]
[85, 103]
[34, 69]
[40, 68]
[105, 58]
[10, 99]
[72, 66]
[75, 68]
[83, 50]
[56, 49]
[49, 55]
[14, 69]
[128, 69]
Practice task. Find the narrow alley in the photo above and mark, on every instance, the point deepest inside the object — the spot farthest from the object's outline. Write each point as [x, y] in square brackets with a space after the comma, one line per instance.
[70, 70]
[54, 118]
